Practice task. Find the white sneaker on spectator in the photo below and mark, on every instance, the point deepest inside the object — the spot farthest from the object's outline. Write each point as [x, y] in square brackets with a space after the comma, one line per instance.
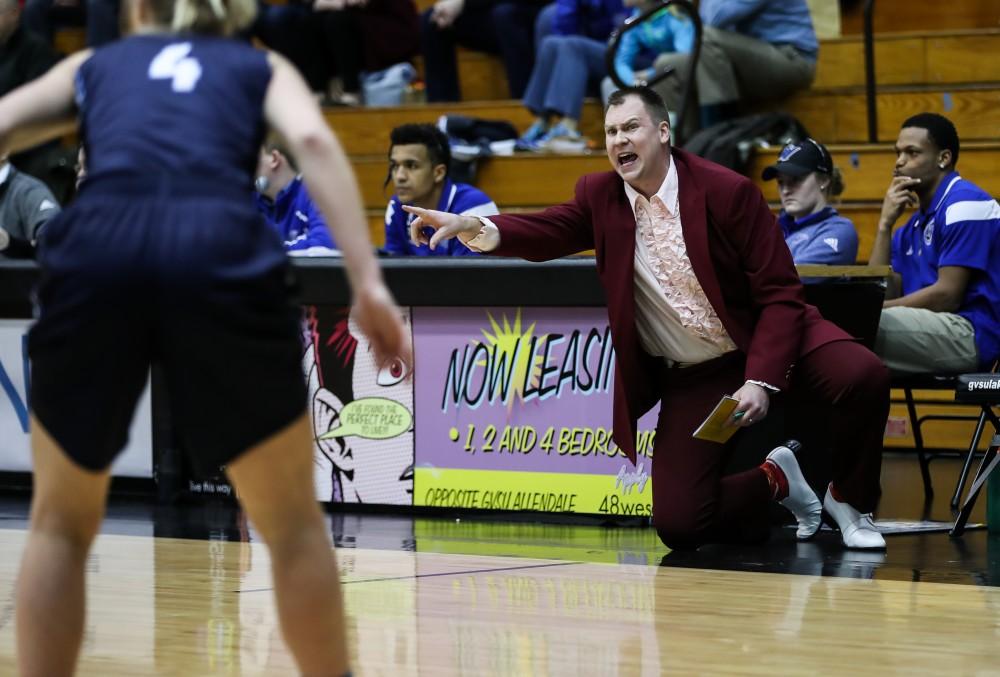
[801, 500]
[858, 531]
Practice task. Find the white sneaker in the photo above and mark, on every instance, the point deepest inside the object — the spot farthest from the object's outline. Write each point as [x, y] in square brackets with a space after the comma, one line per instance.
[801, 500]
[857, 530]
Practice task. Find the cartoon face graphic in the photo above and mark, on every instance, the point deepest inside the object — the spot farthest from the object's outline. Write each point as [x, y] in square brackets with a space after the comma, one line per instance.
[358, 461]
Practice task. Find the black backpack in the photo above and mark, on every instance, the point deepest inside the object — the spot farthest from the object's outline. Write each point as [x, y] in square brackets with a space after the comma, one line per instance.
[731, 143]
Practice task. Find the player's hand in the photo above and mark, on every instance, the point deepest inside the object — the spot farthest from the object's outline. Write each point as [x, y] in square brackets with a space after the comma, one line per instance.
[753, 402]
[898, 198]
[378, 316]
[444, 224]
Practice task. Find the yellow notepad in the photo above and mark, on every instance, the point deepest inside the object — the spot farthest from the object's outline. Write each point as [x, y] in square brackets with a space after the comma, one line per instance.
[713, 428]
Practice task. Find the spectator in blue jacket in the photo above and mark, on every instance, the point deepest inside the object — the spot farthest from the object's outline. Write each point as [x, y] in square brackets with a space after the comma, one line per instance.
[419, 158]
[284, 201]
[814, 231]
[750, 50]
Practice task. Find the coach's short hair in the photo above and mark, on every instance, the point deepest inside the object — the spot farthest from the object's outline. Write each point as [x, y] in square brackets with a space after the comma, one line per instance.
[653, 102]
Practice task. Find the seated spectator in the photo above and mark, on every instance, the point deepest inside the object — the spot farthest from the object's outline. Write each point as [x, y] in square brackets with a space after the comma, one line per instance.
[333, 42]
[750, 50]
[23, 57]
[26, 204]
[947, 257]
[570, 63]
[669, 30]
[506, 28]
[814, 231]
[100, 17]
[285, 203]
[419, 159]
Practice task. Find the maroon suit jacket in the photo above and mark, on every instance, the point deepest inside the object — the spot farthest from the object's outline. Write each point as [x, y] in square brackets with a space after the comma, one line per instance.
[737, 252]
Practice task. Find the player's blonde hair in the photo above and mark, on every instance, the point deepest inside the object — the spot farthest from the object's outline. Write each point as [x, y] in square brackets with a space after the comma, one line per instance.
[212, 17]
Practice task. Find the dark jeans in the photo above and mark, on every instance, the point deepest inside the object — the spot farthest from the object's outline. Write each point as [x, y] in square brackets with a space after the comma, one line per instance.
[100, 17]
[320, 44]
[478, 29]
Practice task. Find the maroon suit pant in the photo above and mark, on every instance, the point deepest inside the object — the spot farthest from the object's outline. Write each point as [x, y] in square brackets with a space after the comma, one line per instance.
[694, 503]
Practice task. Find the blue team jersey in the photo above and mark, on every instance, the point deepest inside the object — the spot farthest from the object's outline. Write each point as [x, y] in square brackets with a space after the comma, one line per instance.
[960, 228]
[456, 198]
[825, 238]
[181, 105]
[296, 219]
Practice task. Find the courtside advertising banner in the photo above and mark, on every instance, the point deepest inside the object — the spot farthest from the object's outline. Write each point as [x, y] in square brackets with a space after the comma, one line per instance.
[362, 413]
[513, 412]
[15, 442]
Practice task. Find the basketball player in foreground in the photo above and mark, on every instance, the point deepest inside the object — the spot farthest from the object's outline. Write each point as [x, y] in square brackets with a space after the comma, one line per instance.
[163, 258]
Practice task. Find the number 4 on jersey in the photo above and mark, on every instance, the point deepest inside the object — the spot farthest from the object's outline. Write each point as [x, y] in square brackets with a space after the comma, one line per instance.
[173, 63]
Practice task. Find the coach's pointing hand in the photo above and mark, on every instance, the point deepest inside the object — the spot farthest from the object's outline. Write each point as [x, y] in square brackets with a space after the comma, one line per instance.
[445, 226]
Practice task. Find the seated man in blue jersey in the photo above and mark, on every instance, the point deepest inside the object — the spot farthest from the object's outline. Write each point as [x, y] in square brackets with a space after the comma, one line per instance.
[284, 201]
[419, 159]
[947, 256]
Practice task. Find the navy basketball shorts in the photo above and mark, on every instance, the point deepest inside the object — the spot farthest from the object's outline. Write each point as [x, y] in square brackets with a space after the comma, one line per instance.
[199, 286]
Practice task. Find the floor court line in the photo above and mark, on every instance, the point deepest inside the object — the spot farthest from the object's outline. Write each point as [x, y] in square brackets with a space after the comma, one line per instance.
[461, 572]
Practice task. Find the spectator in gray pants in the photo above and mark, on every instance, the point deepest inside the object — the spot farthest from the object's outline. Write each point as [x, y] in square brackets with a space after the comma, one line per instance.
[750, 50]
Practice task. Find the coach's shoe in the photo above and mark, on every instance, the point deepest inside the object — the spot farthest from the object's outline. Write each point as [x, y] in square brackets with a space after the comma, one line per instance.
[801, 499]
[857, 530]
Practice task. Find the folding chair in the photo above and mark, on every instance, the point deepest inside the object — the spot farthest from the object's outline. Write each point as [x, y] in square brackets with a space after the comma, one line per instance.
[976, 436]
[926, 382]
[984, 390]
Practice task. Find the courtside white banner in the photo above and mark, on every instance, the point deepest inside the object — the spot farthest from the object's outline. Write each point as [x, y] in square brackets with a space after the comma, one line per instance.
[15, 449]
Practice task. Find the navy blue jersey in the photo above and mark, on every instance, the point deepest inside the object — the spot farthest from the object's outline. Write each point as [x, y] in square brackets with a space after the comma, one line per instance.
[165, 259]
[180, 105]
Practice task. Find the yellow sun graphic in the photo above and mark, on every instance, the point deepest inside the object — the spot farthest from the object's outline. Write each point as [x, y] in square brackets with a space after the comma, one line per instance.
[515, 344]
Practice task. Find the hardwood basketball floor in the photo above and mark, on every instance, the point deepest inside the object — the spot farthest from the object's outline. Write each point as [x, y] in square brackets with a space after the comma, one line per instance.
[474, 597]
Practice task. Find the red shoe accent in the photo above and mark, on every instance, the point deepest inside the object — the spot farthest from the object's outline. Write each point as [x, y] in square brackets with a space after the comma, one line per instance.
[836, 494]
[776, 480]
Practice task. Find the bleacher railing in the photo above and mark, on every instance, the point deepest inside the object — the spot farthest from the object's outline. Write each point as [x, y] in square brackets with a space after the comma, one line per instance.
[634, 22]
[869, 11]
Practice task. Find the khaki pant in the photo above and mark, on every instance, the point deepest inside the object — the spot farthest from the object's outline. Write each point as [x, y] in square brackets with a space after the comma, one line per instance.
[921, 341]
[735, 67]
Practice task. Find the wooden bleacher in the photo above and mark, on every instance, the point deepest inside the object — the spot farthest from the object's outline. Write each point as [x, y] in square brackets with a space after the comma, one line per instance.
[893, 16]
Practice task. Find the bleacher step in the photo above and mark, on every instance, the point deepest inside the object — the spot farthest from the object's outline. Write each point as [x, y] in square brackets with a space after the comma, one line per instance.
[533, 180]
[365, 131]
